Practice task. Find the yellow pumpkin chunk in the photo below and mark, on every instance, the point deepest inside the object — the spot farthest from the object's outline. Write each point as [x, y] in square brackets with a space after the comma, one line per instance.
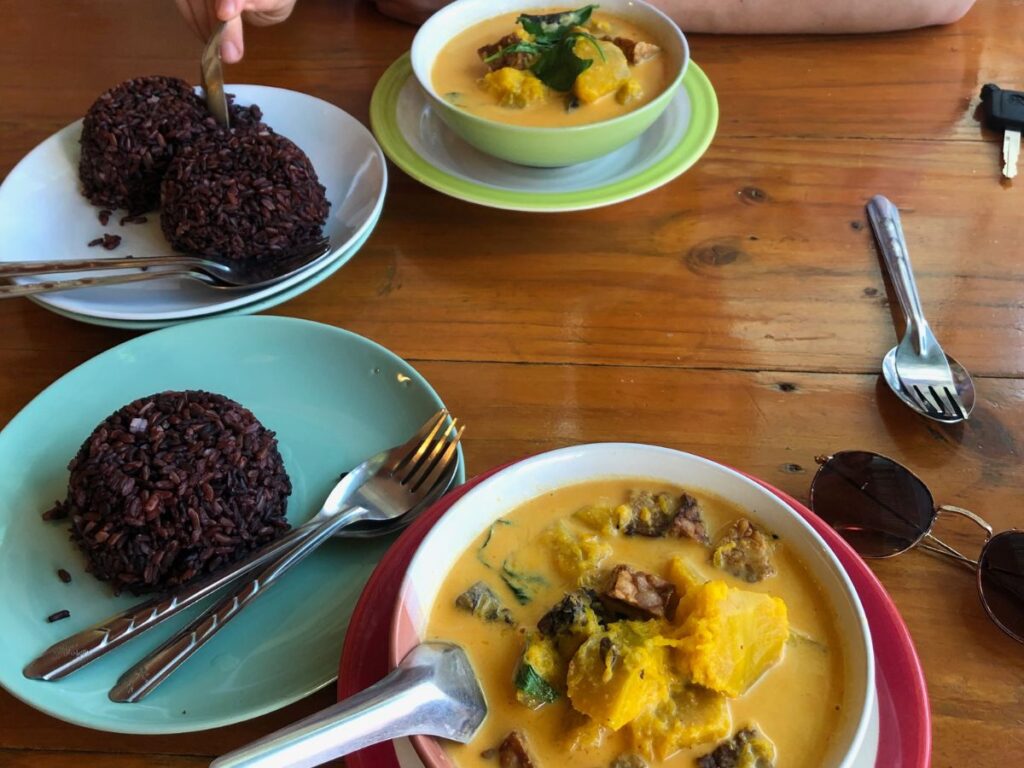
[629, 91]
[577, 557]
[515, 87]
[619, 673]
[731, 637]
[604, 520]
[690, 716]
[605, 75]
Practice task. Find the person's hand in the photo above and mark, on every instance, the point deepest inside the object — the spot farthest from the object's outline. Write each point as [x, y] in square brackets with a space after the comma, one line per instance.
[203, 16]
[412, 11]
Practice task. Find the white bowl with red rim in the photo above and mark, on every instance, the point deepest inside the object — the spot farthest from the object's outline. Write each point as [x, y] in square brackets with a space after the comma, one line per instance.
[854, 745]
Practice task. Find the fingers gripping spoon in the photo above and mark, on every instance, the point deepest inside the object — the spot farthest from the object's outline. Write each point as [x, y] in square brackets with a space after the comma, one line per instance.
[917, 369]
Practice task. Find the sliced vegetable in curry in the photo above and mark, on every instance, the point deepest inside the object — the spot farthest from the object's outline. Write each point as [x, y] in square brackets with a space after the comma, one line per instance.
[551, 65]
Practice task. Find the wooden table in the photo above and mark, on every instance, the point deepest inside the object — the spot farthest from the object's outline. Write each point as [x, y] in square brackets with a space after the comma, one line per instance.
[739, 312]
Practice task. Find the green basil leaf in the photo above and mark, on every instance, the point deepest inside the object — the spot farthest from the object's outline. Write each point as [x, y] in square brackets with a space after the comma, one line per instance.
[552, 27]
[558, 67]
[521, 47]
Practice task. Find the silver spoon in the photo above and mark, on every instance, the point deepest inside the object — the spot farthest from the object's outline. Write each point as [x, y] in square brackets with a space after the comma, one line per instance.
[212, 77]
[433, 692]
[885, 223]
[242, 275]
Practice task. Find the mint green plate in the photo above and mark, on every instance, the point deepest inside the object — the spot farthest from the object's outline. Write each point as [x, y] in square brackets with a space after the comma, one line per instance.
[246, 309]
[331, 396]
[415, 138]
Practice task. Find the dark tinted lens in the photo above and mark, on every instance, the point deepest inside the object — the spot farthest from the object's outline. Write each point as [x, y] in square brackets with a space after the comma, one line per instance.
[1001, 578]
[875, 504]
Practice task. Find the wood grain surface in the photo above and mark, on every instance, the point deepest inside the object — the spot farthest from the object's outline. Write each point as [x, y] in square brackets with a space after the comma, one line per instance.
[739, 312]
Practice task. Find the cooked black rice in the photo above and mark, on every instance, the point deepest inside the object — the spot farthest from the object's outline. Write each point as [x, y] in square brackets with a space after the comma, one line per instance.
[173, 486]
[242, 196]
[132, 131]
[59, 615]
[108, 241]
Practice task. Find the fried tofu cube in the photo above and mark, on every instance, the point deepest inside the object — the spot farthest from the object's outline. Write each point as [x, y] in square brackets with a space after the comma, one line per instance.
[618, 674]
[731, 637]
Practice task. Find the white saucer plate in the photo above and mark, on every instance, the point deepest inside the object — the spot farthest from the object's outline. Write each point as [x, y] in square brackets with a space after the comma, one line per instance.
[44, 216]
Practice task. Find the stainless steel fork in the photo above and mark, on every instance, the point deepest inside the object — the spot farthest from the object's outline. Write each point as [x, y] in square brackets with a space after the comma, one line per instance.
[417, 477]
[920, 362]
[413, 477]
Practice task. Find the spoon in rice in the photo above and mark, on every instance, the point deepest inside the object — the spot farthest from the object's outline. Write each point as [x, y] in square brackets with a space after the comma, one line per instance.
[241, 275]
[212, 76]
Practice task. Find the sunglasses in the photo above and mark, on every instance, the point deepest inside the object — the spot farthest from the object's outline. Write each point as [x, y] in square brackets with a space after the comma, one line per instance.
[883, 509]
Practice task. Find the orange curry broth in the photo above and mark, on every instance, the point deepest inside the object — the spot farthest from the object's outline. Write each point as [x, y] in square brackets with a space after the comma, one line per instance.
[796, 703]
[458, 70]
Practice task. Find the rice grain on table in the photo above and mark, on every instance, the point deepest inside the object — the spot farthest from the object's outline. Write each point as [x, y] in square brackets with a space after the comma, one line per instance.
[173, 486]
[242, 196]
[131, 133]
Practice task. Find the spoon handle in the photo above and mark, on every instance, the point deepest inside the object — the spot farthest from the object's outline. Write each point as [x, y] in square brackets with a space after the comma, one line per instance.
[52, 286]
[885, 222]
[433, 692]
[389, 709]
[144, 677]
[74, 652]
[58, 266]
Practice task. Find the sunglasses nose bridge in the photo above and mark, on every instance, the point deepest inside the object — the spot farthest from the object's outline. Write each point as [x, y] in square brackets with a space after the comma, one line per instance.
[978, 520]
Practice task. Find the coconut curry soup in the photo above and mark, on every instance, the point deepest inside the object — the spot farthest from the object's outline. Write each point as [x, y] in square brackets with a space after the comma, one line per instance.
[628, 623]
[552, 68]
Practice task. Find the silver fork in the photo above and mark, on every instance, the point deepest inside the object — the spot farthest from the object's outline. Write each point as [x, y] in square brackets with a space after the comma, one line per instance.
[411, 478]
[920, 362]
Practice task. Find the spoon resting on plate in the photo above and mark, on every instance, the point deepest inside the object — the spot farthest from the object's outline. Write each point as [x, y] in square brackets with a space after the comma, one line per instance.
[223, 275]
[433, 692]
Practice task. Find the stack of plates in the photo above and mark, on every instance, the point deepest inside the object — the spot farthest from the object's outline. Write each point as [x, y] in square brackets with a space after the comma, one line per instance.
[44, 216]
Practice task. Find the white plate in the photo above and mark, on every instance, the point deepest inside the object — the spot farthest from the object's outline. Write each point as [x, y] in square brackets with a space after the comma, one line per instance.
[44, 216]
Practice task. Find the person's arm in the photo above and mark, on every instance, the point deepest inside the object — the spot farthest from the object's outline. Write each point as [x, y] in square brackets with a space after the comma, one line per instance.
[810, 16]
[765, 16]
[204, 15]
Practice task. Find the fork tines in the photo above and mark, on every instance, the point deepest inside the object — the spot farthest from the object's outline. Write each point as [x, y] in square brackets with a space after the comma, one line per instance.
[430, 469]
[934, 401]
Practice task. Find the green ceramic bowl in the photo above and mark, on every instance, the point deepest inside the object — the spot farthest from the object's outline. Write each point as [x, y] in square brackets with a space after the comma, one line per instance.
[535, 146]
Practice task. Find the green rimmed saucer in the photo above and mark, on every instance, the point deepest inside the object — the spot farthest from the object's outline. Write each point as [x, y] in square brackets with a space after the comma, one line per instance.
[332, 397]
[418, 142]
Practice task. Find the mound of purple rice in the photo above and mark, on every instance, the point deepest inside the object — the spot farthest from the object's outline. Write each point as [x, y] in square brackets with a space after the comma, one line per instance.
[173, 486]
[131, 133]
[242, 196]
